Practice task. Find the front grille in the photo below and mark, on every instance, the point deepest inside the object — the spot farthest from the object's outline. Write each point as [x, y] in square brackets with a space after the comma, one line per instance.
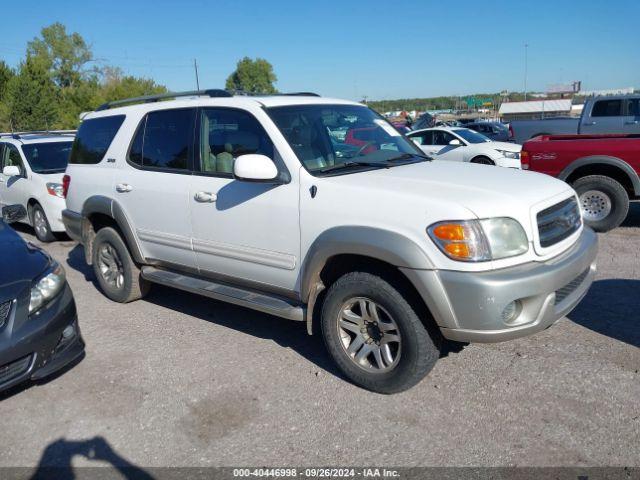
[570, 287]
[14, 369]
[5, 308]
[558, 222]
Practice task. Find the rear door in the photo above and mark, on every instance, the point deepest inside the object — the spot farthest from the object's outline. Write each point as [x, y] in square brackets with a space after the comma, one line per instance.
[153, 186]
[631, 119]
[13, 189]
[606, 117]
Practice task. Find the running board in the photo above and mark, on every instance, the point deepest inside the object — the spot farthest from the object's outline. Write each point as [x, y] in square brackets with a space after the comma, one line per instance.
[272, 305]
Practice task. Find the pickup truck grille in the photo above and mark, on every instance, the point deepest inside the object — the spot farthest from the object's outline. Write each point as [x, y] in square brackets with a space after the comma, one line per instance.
[5, 308]
[558, 222]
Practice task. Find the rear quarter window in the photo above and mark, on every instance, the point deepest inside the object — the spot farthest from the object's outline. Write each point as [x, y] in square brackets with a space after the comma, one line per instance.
[94, 138]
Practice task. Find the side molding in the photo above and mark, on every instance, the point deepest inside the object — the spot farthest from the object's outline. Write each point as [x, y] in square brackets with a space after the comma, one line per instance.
[390, 247]
[607, 160]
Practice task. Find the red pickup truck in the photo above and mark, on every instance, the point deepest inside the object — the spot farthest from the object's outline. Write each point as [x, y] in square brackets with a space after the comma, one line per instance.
[603, 169]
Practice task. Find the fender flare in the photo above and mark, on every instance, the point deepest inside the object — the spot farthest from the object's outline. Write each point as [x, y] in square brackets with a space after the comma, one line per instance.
[112, 209]
[606, 160]
[390, 247]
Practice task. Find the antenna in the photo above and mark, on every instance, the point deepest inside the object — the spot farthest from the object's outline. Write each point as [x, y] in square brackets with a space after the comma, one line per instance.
[195, 66]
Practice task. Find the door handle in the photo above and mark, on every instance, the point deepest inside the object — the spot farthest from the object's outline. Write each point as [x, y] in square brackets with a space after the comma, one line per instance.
[205, 197]
[123, 187]
[635, 122]
[588, 124]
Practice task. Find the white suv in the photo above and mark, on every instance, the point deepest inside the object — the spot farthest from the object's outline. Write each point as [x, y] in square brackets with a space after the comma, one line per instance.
[255, 201]
[31, 168]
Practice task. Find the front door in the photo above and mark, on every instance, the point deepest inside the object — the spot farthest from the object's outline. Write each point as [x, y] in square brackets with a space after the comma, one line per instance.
[444, 151]
[606, 117]
[153, 187]
[12, 188]
[631, 119]
[242, 231]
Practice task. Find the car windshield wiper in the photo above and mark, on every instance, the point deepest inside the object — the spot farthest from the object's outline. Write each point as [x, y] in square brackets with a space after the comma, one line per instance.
[406, 156]
[354, 163]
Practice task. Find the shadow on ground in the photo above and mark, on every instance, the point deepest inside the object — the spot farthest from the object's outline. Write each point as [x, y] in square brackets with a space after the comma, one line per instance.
[633, 217]
[611, 308]
[56, 460]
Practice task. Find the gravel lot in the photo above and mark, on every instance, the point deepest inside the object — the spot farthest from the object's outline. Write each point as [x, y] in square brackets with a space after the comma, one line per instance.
[179, 380]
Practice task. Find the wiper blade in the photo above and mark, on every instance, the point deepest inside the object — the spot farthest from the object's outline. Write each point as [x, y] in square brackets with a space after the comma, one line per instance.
[354, 163]
[405, 156]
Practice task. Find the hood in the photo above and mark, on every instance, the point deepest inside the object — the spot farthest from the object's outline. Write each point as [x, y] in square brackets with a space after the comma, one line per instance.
[20, 263]
[507, 146]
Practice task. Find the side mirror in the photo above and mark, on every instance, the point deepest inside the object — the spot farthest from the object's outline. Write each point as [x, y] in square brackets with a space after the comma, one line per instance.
[13, 213]
[254, 168]
[11, 171]
[455, 142]
[417, 141]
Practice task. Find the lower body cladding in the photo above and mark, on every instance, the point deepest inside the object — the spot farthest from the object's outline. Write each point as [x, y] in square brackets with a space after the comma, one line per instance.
[35, 347]
[512, 302]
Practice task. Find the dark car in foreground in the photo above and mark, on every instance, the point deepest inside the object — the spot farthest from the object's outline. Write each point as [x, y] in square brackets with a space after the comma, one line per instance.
[39, 331]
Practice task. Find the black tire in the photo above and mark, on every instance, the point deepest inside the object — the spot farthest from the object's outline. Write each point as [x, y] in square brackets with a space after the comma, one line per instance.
[610, 188]
[417, 354]
[131, 285]
[483, 160]
[43, 230]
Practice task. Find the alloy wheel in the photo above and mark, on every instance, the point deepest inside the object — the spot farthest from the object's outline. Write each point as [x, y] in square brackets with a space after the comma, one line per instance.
[369, 335]
[110, 266]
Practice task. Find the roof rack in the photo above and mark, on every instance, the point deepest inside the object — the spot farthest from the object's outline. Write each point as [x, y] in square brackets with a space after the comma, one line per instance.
[19, 135]
[155, 98]
[285, 94]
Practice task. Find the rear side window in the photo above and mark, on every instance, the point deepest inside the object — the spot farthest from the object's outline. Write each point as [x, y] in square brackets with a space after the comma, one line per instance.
[94, 138]
[607, 108]
[163, 140]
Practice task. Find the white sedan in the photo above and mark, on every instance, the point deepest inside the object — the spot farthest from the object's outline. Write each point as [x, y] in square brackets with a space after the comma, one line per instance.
[457, 144]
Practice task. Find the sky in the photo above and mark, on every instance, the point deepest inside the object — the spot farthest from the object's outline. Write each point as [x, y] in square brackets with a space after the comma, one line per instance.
[352, 48]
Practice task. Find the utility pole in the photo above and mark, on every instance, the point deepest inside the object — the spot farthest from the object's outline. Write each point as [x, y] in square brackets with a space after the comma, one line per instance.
[526, 48]
[195, 66]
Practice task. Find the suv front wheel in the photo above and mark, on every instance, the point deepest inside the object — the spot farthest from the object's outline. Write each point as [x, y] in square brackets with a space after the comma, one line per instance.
[117, 274]
[375, 336]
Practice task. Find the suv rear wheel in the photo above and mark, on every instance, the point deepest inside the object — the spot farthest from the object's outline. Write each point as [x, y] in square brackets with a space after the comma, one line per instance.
[603, 200]
[117, 274]
[375, 336]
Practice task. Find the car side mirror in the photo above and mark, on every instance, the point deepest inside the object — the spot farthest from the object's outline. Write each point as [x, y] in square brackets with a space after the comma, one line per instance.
[255, 168]
[13, 213]
[416, 141]
[455, 142]
[11, 171]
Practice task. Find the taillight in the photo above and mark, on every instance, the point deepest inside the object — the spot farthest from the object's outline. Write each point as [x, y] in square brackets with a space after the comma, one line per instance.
[66, 181]
[524, 159]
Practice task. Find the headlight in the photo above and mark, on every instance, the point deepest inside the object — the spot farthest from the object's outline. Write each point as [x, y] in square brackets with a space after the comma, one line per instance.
[480, 240]
[507, 154]
[47, 288]
[55, 189]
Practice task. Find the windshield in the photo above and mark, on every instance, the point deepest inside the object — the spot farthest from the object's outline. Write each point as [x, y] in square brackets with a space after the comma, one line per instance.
[471, 136]
[49, 157]
[328, 137]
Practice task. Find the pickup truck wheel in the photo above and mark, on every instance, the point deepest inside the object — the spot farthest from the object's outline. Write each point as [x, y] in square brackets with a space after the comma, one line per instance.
[117, 274]
[603, 200]
[374, 335]
[41, 224]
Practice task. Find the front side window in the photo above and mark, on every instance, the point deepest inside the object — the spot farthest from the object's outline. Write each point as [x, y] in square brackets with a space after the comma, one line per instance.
[94, 138]
[225, 134]
[330, 137]
[607, 108]
[50, 157]
[423, 138]
[11, 157]
[163, 140]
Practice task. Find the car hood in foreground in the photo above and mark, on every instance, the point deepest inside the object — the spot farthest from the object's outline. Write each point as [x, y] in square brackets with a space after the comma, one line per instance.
[20, 263]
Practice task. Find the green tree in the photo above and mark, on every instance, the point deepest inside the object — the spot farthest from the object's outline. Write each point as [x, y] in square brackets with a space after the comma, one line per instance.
[116, 86]
[6, 74]
[252, 76]
[66, 55]
[31, 97]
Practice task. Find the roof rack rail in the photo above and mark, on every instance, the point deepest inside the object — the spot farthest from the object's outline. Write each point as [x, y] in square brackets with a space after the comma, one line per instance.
[18, 135]
[216, 92]
[277, 94]
[300, 94]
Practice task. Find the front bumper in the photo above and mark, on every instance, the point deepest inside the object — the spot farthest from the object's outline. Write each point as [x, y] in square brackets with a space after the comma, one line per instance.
[468, 306]
[33, 347]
